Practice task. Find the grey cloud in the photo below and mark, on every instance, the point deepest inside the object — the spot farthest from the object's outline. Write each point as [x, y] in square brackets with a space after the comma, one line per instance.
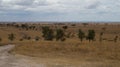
[93, 5]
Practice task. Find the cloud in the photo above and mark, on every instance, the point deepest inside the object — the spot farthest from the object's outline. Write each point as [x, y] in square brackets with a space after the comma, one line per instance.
[93, 4]
[75, 8]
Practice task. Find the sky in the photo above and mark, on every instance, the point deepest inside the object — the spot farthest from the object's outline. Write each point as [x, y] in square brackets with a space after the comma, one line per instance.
[60, 10]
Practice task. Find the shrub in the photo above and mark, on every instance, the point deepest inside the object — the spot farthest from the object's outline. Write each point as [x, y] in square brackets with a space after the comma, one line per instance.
[81, 35]
[60, 34]
[65, 27]
[48, 33]
[11, 37]
[91, 35]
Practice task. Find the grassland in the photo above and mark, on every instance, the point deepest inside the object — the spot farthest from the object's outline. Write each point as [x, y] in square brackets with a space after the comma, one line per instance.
[72, 47]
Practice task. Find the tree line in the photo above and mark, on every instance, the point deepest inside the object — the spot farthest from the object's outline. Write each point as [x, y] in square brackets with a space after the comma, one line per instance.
[59, 35]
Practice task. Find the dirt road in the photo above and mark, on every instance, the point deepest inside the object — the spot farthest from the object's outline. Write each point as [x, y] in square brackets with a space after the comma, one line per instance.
[9, 60]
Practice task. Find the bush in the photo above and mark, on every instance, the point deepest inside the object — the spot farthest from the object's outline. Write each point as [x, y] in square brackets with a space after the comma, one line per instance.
[60, 35]
[11, 37]
[65, 27]
[48, 33]
[91, 35]
[81, 35]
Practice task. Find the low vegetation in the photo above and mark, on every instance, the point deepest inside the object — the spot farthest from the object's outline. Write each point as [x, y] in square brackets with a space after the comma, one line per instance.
[90, 41]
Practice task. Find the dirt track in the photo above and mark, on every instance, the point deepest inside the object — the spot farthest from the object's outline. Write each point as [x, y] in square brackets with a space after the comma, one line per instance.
[8, 60]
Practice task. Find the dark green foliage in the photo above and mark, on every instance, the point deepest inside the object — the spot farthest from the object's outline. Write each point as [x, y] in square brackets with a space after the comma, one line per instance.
[11, 37]
[60, 35]
[48, 33]
[91, 35]
[81, 35]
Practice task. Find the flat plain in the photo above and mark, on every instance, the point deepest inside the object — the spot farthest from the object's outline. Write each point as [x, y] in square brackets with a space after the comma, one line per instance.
[72, 51]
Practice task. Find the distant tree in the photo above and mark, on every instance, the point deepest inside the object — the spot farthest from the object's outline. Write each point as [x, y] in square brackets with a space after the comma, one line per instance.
[81, 35]
[11, 37]
[45, 30]
[60, 35]
[48, 33]
[65, 27]
[91, 35]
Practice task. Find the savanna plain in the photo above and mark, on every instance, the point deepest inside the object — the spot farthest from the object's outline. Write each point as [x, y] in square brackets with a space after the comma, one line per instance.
[63, 44]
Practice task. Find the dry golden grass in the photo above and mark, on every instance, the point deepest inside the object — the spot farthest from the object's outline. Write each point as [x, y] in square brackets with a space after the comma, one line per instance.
[71, 48]
[76, 50]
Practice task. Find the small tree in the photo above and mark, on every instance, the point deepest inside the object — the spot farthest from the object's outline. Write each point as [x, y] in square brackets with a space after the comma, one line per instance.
[11, 37]
[81, 35]
[45, 31]
[91, 35]
[60, 35]
[48, 33]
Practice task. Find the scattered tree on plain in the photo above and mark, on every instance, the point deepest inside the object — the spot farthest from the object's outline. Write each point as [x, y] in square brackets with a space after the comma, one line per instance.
[11, 37]
[48, 33]
[81, 35]
[60, 35]
[91, 35]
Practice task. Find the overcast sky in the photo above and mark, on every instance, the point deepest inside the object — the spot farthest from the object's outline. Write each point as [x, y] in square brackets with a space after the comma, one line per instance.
[59, 10]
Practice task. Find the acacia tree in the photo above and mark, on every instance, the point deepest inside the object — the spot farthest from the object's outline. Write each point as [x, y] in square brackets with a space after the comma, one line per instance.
[60, 35]
[81, 35]
[91, 35]
[11, 37]
[48, 33]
